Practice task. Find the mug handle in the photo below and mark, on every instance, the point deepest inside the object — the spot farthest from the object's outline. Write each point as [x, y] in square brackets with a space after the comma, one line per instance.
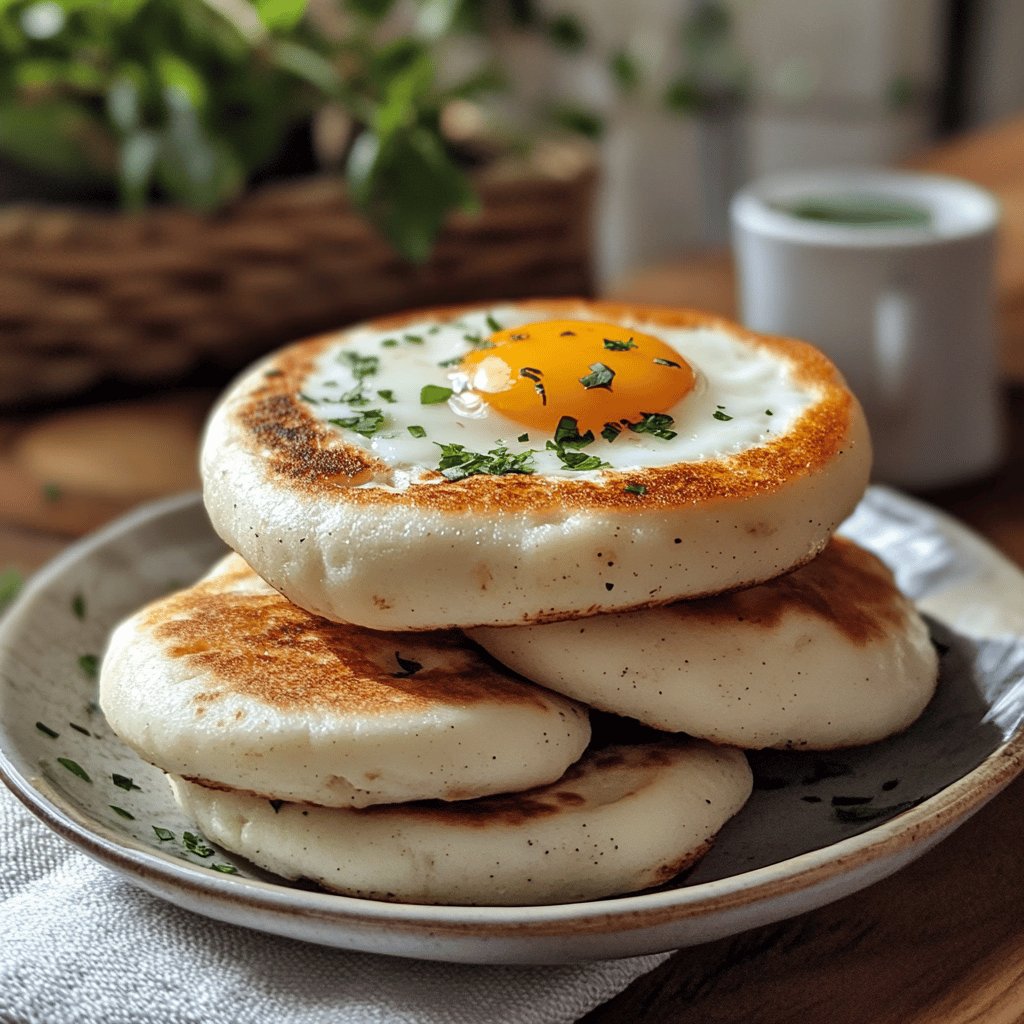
[895, 346]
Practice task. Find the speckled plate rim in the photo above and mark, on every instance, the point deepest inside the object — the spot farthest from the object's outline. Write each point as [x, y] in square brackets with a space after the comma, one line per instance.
[159, 873]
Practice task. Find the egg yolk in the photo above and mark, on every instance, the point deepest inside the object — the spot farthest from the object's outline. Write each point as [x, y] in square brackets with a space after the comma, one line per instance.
[594, 372]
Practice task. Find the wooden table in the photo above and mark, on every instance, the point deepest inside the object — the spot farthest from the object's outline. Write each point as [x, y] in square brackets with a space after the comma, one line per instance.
[941, 942]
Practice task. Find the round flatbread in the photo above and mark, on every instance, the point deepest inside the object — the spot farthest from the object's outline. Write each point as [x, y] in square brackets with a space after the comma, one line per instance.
[624, 818]
[830, 655]
[434, 470]
[229, 683]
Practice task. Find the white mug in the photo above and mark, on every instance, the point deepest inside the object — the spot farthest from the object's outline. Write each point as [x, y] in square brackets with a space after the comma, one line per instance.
[903, 306]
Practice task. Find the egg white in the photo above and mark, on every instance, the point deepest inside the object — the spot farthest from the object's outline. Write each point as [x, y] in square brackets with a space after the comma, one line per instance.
[744, 397]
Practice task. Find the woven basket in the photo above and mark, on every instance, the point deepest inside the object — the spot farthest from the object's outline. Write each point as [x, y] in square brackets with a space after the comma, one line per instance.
[88, 295]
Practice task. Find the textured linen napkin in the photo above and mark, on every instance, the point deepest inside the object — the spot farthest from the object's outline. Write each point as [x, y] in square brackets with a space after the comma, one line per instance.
[79, 945]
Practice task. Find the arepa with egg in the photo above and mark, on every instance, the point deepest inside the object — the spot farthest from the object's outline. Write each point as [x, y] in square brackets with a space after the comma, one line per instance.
[624, 818]
[531, 462]
[829, 655]
[228, 683]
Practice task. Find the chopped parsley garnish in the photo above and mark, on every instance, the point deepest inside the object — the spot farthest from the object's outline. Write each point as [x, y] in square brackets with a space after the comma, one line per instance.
[656, 423]
[226, 869]
[194, 844]
[453, 361]
[667, 362]
[407, 665]
[576, 460]
[124, 782]
[567, 434]
[89, 664]
[308, 398]
[46, 730]
[523, 437]
[360, 365]
[412, 339]
[122, 812]
[163, 834]
[78, 606]
[75, 768]
[387, 394]
[532, 373]
[600, 376]
[51, 492]
[611, 431]
[724, 417]
[273, 373]
[635, 489]
[619, 346]
[355, 397]
[366, 423]
[416, 430]
[457, 463]
[492, 325]
[434, 394]
[768, 412]
[10, 585]
[80, 728]
[478, 341]
[389, 343]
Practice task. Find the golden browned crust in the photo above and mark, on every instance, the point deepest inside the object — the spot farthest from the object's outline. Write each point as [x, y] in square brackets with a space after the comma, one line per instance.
[845, 585]
[262, 646]
[303, 454]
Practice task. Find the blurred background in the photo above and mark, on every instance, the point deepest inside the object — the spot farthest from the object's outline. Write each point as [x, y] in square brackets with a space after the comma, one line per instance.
[185, 184]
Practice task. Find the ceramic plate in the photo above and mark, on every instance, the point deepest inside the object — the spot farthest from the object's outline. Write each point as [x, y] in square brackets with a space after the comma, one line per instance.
[817, 828]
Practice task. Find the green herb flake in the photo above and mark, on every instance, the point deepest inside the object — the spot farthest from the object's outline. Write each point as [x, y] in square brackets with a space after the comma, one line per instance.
[80, 728]
[456, 463]
[567, 434]
[122, 812]
[434, 394]
[124, 782]
[656, 423]
[722, 416]
[47, 731]
[611, 431]
[52, 492]
[412, 339]
[619, 346]
[270, 374]
[523, 438]
[416, 430]
[453, 361]
[276, 805]
[666, 362]
[11, 582]
[194, 844]
[635, 489]
[389, 343]
[360, 365]
[576, 460]
[308, 398]
[407, 665]
[600, 376]
[387, 394]
[75, 768]
[89, 664]
[366, 423]
[78, 606]
[768, 412]
[163, 834]
[225, 869]
[492, 325]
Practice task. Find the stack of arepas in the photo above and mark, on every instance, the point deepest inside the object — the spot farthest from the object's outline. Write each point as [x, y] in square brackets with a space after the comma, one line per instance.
[458, 530]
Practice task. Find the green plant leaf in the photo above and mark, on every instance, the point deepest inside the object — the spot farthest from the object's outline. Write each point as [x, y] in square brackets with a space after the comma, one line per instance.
[577, 119]
[625, 70]
[280, 15]
[177, 74]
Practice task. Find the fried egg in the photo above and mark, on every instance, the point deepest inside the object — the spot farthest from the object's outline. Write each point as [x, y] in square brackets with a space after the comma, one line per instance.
[229, 683]
[623, 818]
[531, 462]
[830, 655]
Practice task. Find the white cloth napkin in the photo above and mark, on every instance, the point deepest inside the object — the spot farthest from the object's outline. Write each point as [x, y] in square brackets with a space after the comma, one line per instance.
[79, 945]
